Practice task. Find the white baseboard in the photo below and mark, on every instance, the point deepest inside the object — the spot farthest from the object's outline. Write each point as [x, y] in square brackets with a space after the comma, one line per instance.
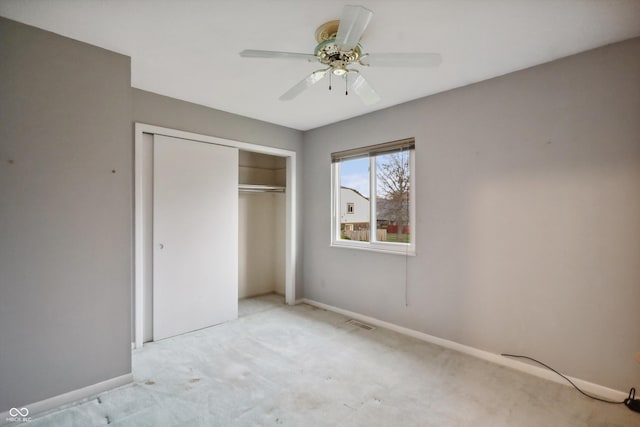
[70, 397]
[589, 387]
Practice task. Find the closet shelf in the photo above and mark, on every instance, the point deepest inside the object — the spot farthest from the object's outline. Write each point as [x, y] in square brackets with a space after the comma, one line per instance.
[250, 188]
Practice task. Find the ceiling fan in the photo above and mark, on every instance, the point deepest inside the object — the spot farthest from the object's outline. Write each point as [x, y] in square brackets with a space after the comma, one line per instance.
[339, 48]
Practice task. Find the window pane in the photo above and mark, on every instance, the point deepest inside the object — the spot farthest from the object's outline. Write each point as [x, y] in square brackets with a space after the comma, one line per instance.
[354, 199]
[392, 197]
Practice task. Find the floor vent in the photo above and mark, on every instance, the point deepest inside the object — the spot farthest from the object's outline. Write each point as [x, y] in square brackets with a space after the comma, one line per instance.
[361, 325]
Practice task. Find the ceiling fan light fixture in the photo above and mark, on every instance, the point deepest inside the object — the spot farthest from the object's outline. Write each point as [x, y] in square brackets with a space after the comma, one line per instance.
[339, 48]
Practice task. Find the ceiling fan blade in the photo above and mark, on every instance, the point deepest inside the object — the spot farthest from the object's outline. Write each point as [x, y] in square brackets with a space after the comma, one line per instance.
[249, 53]
[363, 89]
[353, 22]
[309, 81]
[402, 59]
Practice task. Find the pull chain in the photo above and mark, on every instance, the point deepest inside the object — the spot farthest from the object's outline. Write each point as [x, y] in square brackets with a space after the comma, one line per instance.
[346, 87]
[330, 80]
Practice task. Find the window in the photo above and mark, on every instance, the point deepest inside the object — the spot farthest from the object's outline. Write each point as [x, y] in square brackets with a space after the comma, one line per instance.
[382, 222]
[349, 208]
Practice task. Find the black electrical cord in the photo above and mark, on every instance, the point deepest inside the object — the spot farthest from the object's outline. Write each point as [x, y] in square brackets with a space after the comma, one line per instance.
[571, 382]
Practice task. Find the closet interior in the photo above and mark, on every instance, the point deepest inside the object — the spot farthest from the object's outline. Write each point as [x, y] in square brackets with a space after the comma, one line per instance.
[261, 224]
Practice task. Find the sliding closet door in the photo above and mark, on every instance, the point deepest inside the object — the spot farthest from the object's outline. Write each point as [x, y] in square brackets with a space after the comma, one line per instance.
[195, 233]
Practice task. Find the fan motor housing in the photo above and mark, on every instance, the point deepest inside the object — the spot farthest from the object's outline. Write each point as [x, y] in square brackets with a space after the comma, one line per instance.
[328, 52]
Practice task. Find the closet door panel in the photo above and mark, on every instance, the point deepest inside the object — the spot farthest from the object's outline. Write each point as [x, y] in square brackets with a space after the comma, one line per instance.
[195, 233]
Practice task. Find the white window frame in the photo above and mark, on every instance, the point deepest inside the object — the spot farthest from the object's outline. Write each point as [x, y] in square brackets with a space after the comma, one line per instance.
[373, 245]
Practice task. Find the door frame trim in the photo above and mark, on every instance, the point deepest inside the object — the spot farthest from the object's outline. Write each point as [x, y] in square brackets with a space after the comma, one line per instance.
[139, 250]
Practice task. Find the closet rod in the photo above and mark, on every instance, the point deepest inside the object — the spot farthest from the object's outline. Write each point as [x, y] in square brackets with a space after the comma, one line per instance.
[247, 188]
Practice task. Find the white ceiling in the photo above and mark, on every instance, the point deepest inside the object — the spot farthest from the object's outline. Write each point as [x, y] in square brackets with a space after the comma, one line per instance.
[189, 49]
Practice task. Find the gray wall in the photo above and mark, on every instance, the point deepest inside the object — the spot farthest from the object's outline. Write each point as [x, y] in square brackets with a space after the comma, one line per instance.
[65, 218]
[154, 109]
[528, 216]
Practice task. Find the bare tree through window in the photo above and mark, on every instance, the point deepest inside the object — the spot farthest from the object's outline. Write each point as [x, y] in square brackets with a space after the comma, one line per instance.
[392, 195]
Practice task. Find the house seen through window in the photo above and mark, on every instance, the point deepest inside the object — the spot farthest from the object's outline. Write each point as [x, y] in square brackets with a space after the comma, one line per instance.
[373, 197]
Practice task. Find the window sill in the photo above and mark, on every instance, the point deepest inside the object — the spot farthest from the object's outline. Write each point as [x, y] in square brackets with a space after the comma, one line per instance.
[387, 248]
